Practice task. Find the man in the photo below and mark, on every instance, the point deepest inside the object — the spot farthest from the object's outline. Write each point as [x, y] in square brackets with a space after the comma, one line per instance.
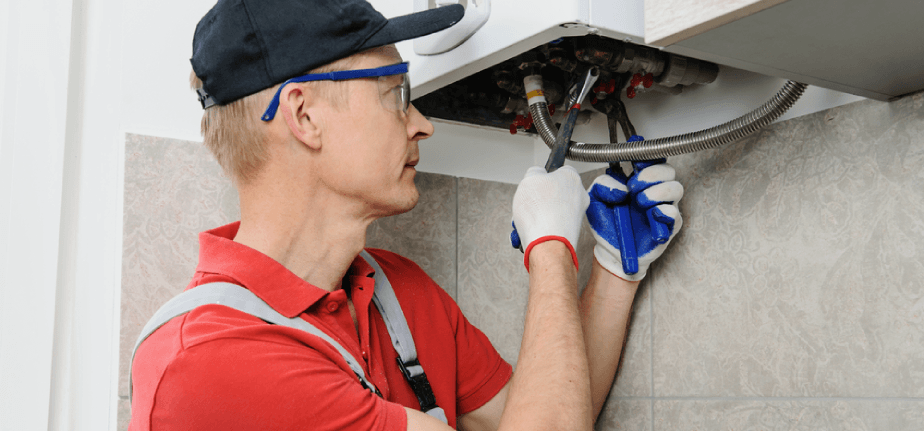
[316, 158]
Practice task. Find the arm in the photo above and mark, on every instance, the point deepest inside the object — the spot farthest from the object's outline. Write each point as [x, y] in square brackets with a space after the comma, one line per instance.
[605, 308]
[650, 197]
[550, 388]
[606, 304]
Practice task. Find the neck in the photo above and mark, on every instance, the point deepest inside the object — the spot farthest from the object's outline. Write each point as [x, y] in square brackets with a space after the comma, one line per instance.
[315, 235]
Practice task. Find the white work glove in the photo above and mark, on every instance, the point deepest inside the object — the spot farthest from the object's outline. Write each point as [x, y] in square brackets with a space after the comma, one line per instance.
[548, 206]
[648, 199]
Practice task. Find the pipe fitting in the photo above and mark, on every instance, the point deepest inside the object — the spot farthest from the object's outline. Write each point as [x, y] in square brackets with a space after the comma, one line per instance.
[681, 70]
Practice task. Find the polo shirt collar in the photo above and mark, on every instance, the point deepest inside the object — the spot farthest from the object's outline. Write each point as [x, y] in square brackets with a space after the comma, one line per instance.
[272, 282]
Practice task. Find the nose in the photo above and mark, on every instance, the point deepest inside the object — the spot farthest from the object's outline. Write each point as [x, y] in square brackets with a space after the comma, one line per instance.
[418, 126]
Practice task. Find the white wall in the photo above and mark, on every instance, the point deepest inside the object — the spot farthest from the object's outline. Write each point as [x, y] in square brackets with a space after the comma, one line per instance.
[85, 357]
[35, 64]
[60, 216]
[155, 63]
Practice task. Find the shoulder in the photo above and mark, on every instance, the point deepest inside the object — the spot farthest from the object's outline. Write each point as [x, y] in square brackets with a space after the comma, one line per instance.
[209, 330]
[223, 360]
[233, 383]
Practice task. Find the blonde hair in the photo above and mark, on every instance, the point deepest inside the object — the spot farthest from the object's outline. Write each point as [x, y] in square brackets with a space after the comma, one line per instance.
[234, 133]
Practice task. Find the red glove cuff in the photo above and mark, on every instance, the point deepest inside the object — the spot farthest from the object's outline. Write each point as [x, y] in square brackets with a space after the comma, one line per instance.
[549, 238]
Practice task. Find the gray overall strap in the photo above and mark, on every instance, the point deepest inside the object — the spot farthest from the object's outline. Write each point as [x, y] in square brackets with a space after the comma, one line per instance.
[241, 299]
[387, 303]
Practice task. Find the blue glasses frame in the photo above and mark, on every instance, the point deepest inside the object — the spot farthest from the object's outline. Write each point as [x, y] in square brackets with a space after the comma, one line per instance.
[340, 75]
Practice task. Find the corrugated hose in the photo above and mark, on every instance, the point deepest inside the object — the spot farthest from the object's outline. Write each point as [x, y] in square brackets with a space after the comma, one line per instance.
[669, 146]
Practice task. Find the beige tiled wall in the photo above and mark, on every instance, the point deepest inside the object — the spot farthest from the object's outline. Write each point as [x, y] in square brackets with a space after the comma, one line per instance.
[173, 190]
[426, 234]
[793, 299]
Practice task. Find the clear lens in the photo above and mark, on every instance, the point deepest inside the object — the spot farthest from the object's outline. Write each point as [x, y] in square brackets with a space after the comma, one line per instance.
[398, 97]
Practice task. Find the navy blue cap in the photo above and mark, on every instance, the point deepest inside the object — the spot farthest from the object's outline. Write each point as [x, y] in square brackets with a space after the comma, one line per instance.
[244, 46]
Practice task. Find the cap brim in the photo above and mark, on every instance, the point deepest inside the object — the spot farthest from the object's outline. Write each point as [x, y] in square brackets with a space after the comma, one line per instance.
[415, 25]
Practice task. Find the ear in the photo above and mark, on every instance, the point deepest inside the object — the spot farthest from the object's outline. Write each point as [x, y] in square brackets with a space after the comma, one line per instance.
[299, 110]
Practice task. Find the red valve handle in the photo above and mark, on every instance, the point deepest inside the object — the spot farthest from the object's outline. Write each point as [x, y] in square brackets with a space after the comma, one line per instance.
[521, 121]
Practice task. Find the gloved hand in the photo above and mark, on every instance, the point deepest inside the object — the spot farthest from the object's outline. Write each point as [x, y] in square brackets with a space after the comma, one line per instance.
[651, 196]
[548, 206]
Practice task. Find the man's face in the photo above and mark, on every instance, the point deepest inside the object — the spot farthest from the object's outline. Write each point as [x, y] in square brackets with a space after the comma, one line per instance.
[372, 143]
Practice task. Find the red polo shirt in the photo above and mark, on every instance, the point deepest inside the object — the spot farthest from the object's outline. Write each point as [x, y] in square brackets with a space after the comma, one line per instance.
[217, 368]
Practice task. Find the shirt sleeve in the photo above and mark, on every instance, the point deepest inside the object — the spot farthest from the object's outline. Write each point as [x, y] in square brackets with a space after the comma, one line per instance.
[254, 380]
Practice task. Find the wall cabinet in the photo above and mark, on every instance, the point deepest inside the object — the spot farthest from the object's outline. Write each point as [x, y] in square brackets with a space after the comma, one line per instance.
[863, 47]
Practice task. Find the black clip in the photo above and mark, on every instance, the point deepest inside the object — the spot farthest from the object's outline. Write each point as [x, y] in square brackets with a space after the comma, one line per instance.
[204, 98]
[419, 384]
[369, 386]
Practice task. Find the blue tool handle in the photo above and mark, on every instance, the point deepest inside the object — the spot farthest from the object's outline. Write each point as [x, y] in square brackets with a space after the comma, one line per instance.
[560, 147]
[626, 240]
[515, 237]
[661, 225]
[624, 233]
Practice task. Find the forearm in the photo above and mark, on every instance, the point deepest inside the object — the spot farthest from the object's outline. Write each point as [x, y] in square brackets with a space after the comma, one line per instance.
[550, 388]
[605, 308]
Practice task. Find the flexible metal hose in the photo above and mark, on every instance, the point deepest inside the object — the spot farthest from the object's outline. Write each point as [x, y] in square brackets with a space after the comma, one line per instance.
[673, 145]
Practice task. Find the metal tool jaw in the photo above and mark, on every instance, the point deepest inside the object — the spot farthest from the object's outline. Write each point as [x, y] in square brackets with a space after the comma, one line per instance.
[563, 139]
[589, 79]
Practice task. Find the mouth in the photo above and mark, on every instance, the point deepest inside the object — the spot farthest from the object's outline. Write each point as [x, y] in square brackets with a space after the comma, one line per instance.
[413, 163]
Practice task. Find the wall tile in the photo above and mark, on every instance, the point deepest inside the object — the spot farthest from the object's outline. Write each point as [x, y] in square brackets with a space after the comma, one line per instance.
[625, 414]
[789, 415]
[798, 271]
[426, 234]
[173, 191]
[493, 283]
[124, 414]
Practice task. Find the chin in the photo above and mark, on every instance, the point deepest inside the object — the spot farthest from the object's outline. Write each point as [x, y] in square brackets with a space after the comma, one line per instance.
[410, 203]
[412, 195]
[402, 204]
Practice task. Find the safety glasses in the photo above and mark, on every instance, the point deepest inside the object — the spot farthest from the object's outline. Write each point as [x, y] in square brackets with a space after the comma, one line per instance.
[398, 97]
